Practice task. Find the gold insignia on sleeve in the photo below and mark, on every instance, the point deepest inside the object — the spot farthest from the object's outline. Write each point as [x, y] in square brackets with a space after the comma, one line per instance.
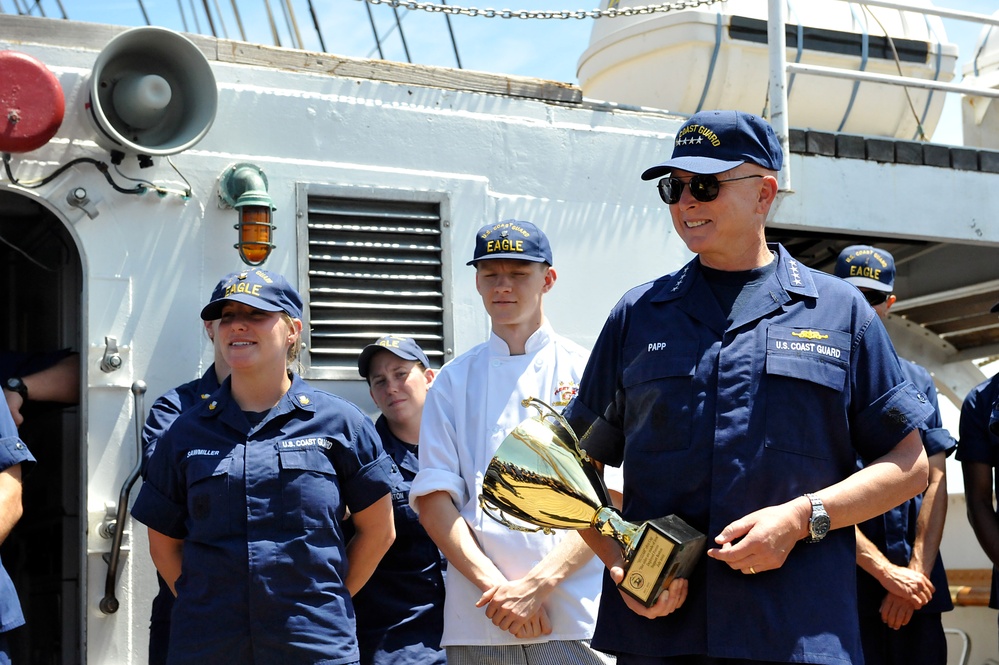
[810, 334]
[211, 407]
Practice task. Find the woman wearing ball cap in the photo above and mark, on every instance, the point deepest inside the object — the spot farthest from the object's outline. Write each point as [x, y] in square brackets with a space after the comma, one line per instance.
[245, 494]
[400, 611]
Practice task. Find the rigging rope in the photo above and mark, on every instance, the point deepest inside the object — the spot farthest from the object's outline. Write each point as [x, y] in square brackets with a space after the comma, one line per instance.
[610, 12]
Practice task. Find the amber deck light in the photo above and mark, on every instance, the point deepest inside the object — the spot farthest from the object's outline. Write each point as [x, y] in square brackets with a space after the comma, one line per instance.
[244, 187]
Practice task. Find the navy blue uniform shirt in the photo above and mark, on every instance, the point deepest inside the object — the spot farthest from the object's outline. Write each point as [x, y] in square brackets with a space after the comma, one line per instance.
[713, 420]
[171, 404]
[894, 533]
[161, 416]
[400, 610]
[260, 509]
[978, 444]
[12, 452]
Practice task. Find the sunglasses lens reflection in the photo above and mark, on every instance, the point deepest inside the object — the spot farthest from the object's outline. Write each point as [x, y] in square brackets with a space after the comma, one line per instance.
[670, 189]
[703, 188]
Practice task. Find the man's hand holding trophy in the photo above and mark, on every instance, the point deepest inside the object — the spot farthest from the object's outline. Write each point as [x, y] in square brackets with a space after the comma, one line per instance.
[541, 476]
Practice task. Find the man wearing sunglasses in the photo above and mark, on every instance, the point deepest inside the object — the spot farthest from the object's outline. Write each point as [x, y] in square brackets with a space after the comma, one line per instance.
[737, 393]
[902, 585]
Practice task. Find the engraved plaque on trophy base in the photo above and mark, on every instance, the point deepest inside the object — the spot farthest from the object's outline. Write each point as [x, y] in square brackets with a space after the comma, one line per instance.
[664, 549]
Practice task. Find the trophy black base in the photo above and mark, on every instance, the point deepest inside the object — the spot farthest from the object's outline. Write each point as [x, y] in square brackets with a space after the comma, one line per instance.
[666, 548]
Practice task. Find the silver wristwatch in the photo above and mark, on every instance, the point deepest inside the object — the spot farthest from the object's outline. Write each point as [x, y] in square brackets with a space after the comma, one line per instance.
[818, 523]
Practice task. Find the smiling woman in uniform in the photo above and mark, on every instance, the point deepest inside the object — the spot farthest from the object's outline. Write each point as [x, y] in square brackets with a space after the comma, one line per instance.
[245, 496]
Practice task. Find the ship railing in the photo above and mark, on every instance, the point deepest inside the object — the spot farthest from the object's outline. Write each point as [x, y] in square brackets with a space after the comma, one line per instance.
[965, 644]
[780, 68]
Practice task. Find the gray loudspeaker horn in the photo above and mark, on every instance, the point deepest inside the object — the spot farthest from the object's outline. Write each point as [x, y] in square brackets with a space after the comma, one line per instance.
[152, 92]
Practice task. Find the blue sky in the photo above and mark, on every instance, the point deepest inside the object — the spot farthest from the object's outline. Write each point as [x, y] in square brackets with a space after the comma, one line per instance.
[540, 48]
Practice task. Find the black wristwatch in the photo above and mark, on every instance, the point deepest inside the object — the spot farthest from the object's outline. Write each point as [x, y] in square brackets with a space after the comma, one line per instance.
[818, 524]
[16, 385]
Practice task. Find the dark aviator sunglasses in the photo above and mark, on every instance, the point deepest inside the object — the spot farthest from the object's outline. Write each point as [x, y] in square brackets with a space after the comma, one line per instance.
[704, 188]
[875, 298]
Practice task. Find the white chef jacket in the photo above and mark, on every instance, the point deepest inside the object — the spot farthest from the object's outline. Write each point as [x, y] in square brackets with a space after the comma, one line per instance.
[472, 406]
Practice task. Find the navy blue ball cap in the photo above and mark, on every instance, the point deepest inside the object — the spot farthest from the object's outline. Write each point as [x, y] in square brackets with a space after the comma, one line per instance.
[866, 267]
[512, 239]
[260, 289]
[404, 347]
[715, 141]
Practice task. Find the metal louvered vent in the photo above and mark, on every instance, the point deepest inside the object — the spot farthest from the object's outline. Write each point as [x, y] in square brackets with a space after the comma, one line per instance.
[374, 269]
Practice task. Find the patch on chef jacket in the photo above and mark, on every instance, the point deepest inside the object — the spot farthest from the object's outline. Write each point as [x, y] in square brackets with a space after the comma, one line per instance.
[564, 392]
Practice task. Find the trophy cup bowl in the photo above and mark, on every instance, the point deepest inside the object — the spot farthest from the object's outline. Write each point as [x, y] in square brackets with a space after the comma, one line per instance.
[540, 476]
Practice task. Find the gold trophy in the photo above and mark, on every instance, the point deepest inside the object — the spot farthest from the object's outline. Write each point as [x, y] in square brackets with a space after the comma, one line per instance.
[543, 480]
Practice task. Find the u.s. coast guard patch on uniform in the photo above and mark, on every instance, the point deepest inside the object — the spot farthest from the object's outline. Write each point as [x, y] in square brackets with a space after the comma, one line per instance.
[823, 344]
[306, 443]
[818, 355]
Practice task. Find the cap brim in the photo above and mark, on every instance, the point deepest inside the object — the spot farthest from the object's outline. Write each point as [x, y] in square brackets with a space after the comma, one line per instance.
[995, 308]
[213, 310]
[700, 165]
[868, 283]
[514, 257]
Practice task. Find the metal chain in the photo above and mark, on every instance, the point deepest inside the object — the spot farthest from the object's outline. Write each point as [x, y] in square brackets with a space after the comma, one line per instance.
[610, 12]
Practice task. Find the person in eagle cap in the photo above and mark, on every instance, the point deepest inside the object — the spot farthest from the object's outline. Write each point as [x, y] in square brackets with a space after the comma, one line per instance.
[400, 611]
[245, 495]
[902, 585]
[978, 452]
[737, 393]
[512, 598]
[870, 269]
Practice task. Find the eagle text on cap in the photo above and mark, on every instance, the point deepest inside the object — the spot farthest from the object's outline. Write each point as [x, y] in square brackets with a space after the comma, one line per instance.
[866, 270]
[504, 243]
[242, 286]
